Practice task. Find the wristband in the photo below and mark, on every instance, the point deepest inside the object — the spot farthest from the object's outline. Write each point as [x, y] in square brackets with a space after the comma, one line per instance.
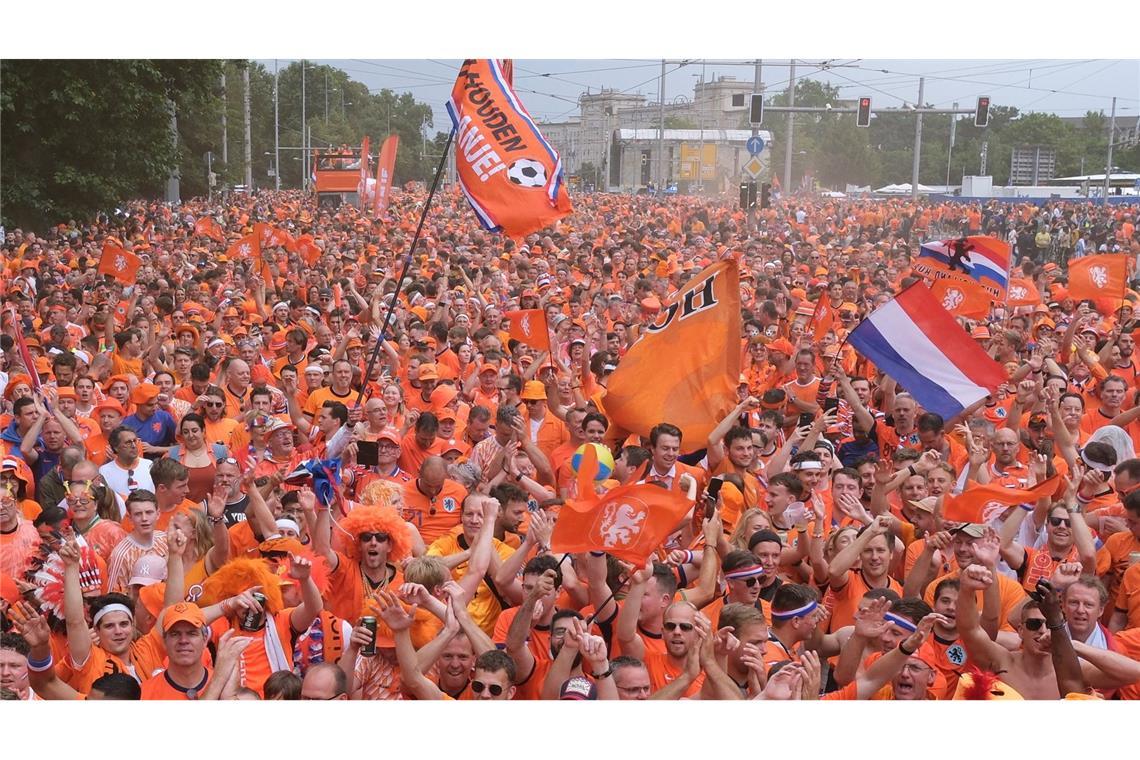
[1057, 627]
[39, 666]
[690, 558]
[911, 470]
[215, 520]
[903, 649]
[607, 674]
[1026, 507]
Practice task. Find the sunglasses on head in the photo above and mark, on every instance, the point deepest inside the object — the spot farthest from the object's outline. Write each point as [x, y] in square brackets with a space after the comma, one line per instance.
[225, 460]
[275, 555]
[686, 627]
[479, 686]
[379, 537]
[1057, 522]
[1034, 624]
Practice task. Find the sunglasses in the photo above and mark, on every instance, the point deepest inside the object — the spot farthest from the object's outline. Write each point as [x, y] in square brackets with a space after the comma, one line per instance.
[275, 555]
[686, 627]
[225, 460]
[378, 537]
[749, 582]
[1057, 522]
[479, 686]
[1035, 624]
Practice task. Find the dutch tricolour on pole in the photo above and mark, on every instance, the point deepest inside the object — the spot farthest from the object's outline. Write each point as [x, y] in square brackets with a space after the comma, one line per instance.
[918, 343]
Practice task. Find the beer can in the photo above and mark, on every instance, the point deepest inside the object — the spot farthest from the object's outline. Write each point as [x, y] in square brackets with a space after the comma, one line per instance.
[254, 620]
[369, 650]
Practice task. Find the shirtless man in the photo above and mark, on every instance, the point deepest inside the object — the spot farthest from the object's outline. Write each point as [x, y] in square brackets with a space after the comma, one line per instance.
[1029, 670]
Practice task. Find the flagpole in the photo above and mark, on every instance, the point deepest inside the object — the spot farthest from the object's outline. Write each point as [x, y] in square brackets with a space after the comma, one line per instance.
[404, 272]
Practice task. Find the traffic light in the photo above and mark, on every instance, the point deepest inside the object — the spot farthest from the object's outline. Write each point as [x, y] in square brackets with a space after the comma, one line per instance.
[765, 195]
[863, 119]
[982, 113]
[747, 195]
[756, 110]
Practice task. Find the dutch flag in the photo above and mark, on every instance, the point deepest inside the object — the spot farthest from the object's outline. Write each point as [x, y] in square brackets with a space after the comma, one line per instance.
[918, 343]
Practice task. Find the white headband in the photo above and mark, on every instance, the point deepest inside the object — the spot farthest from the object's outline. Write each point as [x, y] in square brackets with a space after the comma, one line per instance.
[109, 609]
[808, 464]
[284, 523]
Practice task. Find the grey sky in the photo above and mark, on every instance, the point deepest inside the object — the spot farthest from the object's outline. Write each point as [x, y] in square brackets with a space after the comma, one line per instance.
[550, 88]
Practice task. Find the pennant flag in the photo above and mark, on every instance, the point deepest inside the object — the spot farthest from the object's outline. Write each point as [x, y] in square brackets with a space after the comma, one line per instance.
[1103, 278]
[510, 174]
[362, 186]
[680, 370]
[973, 504]
[1022, 292]
[977, 257]
[823, 317]
[529, 327]
[628, 522]
[248, 247]
[914, 340]
[385, 169]
[308, 249]
[119, 263]
[962, 298]
[208, 227]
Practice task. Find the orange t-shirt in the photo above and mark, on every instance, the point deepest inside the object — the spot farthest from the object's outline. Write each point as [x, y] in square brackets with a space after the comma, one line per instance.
[433, 516]
[845, 601]
[161, 687]
[663, 670]
[1011, 592]
[1128, 598]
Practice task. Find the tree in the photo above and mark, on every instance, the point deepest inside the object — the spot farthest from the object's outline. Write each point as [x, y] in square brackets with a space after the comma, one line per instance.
[81, 136]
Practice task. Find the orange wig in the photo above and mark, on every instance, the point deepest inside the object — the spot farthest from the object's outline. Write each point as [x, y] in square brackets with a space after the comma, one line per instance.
[240, 575]
[376, 519]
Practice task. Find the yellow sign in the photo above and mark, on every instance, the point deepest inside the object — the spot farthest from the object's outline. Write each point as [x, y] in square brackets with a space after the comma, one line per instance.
[696, 155]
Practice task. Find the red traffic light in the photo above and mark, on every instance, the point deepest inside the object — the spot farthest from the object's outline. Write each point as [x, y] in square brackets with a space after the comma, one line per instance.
[863, 118]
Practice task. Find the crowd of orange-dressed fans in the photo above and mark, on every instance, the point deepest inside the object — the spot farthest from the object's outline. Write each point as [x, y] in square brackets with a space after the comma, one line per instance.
[211, 492]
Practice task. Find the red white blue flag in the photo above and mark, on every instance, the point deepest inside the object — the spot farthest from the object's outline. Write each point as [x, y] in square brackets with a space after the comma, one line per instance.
[918, 343]
[979, 257]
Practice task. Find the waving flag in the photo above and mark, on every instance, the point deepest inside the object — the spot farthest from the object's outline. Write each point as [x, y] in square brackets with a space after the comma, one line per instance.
[119, 263]
[628, 522]
[915, 341]
[308, 250]
[975, 504]
[385, 168]
[208, 227]
[1022, 292]
[511, 175]
[679, 371]
[1102, 278]
[823, 318]
[977, 257]
[529, 327]
[962, 298]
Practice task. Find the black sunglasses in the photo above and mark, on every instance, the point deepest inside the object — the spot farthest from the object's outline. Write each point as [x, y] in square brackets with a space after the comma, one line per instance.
[479, 686]
[686, 627]
[380, 537]
[275, 555]
[1057, 522]
[1035, 624]
[749, 582]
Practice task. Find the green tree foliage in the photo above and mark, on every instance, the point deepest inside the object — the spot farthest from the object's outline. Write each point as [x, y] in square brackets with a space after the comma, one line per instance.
[81, 136]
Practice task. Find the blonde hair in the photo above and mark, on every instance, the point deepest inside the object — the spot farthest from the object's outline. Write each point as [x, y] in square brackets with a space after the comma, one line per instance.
[429, 572]
[829, 549]
[741, 533]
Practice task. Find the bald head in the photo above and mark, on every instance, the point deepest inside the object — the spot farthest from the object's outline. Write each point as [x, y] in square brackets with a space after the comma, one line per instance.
[324, 681]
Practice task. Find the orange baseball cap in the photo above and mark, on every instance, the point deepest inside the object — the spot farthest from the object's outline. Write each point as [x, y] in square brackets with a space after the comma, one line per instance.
[183, 612]
[144, 393]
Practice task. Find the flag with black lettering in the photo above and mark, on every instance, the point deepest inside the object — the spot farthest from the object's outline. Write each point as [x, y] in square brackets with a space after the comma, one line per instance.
[685, 368]
[511, 175]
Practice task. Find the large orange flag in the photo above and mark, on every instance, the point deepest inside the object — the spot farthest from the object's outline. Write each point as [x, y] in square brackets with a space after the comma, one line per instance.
[529, 327]
[208, 227]
[385, 169]
[511, 175]
[248, 247]
[629, 522]
[119, 263]
[962, 298]
[973, 504]
[685, 367]
[1103, 278]
[308, 249]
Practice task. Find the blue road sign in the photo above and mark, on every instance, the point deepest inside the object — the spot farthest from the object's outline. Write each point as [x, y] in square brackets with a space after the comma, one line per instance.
[755, 145]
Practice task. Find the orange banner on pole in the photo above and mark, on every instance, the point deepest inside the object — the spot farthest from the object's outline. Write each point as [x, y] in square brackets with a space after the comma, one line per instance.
[824, 317]
[385, 169]
[1022, 292]
[529, 327]
[119, 263]
[208, 227]
[1102, 278]
[971, 505]
[511, 175]
[685, 368]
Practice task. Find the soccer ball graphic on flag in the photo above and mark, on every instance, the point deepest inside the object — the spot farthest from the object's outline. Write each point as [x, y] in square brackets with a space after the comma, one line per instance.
[527, 172]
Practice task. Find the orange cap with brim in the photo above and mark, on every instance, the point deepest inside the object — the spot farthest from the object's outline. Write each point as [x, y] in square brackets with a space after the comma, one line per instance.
[183, 612]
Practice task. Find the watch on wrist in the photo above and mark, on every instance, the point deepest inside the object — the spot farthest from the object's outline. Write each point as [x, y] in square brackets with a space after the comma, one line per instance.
[609, 672]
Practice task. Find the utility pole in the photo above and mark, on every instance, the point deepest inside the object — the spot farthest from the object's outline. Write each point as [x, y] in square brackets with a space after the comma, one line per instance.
[950, 150]
[225, 135]
[247, 142]
[661, 134]
[917, 142]
[701, 139]
[304, 134]
[276, 133]
[791, 127]
[1111, 137]
[326, 96]
[173, 193]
